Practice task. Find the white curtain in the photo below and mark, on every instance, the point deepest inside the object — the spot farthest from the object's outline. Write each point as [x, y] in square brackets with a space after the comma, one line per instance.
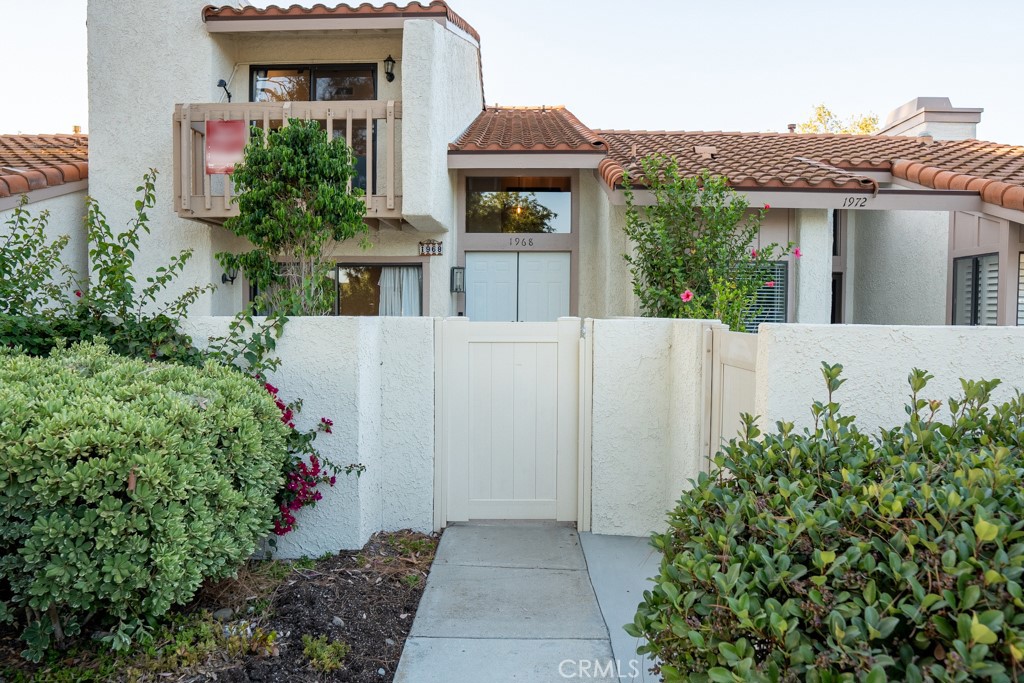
[400, 290]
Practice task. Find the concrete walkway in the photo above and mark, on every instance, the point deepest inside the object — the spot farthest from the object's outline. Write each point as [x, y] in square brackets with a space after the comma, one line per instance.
[514, 602]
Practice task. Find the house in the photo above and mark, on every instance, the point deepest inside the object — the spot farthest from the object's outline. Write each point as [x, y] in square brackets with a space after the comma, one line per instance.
[51, 173]
[920, 224]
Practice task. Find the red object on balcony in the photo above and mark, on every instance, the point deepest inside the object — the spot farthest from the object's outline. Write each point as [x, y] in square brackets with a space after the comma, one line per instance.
[225, 145]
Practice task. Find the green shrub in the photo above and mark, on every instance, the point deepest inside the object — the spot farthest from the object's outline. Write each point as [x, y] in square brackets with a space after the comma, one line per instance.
[830, 555]
[126, 484]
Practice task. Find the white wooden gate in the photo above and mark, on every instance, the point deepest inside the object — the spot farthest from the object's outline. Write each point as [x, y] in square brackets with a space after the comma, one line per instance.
[508, 420]
[733, 379]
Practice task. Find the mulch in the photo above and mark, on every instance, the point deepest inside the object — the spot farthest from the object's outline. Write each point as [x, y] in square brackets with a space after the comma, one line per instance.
[367, 599]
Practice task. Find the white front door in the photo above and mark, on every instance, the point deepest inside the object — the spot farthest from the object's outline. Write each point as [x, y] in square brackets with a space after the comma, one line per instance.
[543, 286]
[491, 286]
[509, 286]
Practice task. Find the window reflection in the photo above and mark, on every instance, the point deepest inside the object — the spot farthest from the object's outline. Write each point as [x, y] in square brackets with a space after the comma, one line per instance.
[518, 205]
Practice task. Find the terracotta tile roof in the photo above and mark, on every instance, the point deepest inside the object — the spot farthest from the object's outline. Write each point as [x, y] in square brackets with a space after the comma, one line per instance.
[414, 10]
[527, 129]
[32, 162]
[826, 162]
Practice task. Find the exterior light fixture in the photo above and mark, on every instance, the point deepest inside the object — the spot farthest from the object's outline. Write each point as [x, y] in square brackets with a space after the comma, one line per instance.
[430, 248]
[389, 69]
[224, 84]
[228, 278]
[458, 280]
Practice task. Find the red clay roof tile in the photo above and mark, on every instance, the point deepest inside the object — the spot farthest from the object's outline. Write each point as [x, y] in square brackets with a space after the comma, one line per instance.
[414, 10]
[32, 162]
[527, 129]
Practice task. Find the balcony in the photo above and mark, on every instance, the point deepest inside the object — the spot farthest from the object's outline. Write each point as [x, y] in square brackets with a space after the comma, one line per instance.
[371, 128]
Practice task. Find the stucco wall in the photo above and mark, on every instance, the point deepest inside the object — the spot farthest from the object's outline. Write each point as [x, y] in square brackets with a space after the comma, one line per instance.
[876, 362]
[441, 95]
[647, 420]
[375, 378]
[67, 215]
[606, 287]
[899, 267]
[138, 70]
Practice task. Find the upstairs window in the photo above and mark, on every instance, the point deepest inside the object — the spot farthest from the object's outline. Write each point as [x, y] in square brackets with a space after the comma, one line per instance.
[317, 83]
[976, 290]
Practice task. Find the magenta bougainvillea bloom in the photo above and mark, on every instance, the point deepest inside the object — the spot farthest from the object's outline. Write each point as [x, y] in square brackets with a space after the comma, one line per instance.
[686, 296]
[78, 292]
[770, 283]
[767, 206]
[753, 253]
[797, 252]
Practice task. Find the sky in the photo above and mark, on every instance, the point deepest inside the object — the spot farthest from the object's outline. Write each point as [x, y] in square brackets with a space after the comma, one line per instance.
[751, 65]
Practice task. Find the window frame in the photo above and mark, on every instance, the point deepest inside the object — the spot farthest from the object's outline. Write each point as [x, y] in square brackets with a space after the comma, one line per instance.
[975, 289]
[253, 68]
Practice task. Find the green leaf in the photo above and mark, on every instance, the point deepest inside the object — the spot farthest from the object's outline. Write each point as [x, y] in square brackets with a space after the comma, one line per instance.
[980, 633]
[985, 531]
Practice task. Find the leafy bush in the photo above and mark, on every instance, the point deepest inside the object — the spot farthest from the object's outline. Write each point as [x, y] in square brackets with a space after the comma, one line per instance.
[125, 484]
[693, 251]
[33, 277]
[830, 555]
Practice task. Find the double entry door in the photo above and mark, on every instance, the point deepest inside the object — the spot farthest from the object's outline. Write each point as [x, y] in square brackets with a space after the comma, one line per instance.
[509, 286]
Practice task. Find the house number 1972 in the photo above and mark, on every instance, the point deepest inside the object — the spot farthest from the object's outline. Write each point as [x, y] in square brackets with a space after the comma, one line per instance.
[855, 202]
[520, 241]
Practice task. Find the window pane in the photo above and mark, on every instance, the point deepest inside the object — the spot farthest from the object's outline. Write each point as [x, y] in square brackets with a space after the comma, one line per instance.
[988, 289]
[963, 291]
[358, 290]
[518, 205]
[359, 150]
[280, 85]
[339, 83]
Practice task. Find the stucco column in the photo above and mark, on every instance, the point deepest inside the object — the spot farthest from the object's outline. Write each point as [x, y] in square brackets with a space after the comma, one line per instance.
[814, 269]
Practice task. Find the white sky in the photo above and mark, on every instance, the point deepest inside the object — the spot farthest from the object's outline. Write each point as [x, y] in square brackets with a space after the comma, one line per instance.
[750, 65]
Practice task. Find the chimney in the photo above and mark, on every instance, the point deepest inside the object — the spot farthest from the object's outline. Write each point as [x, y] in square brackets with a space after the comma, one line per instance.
[934, 116]
[792, 127]
[76, 130]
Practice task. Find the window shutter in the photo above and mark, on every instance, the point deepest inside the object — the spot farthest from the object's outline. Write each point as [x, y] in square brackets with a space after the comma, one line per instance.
[769, 304]
[988, 290]
[963, 291]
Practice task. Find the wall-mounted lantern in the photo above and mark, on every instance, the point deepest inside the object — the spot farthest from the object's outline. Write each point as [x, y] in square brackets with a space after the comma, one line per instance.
[229, 276]
[458, 280]
[389, 68]
[430, 248]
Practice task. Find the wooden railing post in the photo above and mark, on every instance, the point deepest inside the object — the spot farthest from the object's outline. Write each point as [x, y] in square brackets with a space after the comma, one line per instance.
[391, 154]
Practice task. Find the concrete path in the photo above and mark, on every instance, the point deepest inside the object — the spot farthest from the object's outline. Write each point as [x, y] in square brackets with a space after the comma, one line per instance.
[509, 602]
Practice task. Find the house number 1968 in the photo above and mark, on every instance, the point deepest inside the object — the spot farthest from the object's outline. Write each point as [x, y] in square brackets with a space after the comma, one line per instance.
[520, 241]
[855, 202]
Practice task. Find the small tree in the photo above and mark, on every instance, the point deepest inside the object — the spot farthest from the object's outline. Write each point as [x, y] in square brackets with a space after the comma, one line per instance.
[33, 277]
[294, 207]
[693, 249]
[824, 121]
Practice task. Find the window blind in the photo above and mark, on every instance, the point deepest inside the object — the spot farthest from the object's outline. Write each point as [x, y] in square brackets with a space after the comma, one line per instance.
[769, 305]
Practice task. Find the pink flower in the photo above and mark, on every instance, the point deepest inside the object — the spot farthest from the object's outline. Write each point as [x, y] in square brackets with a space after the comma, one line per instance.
[770, 283]
[797, 252]
[78, 293]
[753, 253]
[767, 206]
[686, 296]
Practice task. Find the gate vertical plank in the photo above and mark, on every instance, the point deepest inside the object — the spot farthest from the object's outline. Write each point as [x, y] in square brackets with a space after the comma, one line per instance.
[503, 433]
[545, 419]
[479, 419]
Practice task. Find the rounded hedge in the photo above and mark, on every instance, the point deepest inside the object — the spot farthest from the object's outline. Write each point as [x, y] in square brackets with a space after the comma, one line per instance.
[125, 484]
[830, 555]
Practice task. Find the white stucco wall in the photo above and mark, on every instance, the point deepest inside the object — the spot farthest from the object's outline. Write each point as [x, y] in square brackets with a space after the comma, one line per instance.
[876, 362]
[441, 95]
[647, 420]
[67, 217]
[813, 234]
[898, 274]
[605, 285]
[138, 70]
[375, 378]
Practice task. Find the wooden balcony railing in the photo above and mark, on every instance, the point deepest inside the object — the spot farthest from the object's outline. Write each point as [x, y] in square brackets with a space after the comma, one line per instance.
[371, 127]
